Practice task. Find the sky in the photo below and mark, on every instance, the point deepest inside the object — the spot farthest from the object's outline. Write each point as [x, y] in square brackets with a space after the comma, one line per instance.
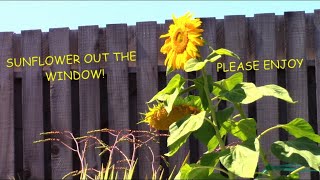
[27, 15]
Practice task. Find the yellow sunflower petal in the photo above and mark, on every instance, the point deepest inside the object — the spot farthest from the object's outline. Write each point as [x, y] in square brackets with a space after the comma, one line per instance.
[182, 40]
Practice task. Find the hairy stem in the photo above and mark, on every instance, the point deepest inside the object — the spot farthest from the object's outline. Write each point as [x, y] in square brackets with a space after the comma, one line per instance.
[212, 110]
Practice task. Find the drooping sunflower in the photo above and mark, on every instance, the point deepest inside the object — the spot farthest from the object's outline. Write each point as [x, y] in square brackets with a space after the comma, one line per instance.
[158, 118]
[183, 37]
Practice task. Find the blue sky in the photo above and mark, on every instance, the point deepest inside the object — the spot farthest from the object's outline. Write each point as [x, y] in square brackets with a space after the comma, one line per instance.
[23, 15]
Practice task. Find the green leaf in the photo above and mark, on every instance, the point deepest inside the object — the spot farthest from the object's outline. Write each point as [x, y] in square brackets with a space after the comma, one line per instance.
[242, 159]
[224, 115]
[252, 93]
[235, 95]
[301, 128]
[233, 81]
[179, 131]
[184, 171]
[244, 129]
[222, 51]
[300, 151]
[196, 171]
[174, 147]
[204, 133]
[224, 129]
[277, 92]
[194, 65]
[176, 82]
[171, 99]
[228, 84]
[212, 158]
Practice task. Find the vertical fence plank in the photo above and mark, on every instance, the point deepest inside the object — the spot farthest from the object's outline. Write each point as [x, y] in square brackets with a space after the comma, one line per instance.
[297, 83]
[60, 102]
[210, 36]
[89, 92]
[32, 107]
[147, 86]
[267, 108]
[6, 107]
[235, 31]
[118, 83]
[317, 62]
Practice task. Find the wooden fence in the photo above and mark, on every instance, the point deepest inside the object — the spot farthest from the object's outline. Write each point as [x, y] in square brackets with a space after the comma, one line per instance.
[29, 104]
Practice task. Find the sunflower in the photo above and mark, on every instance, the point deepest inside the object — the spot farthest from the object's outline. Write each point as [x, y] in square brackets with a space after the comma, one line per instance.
[158, 118]
[183, 37]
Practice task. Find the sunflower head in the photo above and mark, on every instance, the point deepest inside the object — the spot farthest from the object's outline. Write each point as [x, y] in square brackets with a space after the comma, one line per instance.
[158, 118]
[183, 37]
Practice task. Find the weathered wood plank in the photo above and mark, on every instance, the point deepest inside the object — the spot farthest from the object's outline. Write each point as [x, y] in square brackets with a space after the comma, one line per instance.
[235, 31]
[317, 61]
[297, 83]
[316, 21]
[267, 108]
[60, 103]
[89, 92]
[147, 87]
[32, 107]
[7, 107]
[118, 83]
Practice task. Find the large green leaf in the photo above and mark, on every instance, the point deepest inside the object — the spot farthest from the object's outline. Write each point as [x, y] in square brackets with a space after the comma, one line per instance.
[252, 93]
[204, 133]
[235, 95]
[233, 81]
[179, 131]
[301, 128]
[242, 159]
[276, 91]
[176, 82]
[244, 129]
[174, 147]
[170, 100]
[300, 151]
[227, 84]
[222, 51]
[196, 171]
[196, 65]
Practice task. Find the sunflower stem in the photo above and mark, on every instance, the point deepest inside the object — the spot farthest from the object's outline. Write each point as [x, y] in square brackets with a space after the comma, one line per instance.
[213, 116]
[212, 110]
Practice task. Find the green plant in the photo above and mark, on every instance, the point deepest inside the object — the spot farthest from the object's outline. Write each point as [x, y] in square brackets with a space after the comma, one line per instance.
[211, 126]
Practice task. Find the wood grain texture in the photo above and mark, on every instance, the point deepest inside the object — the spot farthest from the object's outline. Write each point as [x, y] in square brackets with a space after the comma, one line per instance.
[89, 92]
[60, 103]
[147, 87]
[267, 107]
[7, 107]
[317, 62]
[297, 83]
[235, 32]
[32, 107]
[118, 84]
[316, 24]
